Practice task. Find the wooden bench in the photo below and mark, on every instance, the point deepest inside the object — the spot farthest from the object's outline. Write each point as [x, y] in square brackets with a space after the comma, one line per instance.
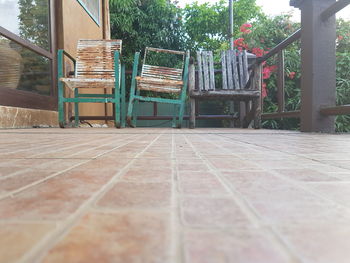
[239, 83]
[159, 79]
[97, 65]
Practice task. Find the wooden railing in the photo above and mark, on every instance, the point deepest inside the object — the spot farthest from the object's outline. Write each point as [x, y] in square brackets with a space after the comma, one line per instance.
[279, 52]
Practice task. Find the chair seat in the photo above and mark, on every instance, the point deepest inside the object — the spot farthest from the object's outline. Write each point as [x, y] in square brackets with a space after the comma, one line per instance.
[225, 94]
[74, 83]
[159, 85]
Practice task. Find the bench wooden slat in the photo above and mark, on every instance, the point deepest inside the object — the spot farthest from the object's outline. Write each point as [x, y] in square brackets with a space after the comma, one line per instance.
[245, 69]
[205, 70]
[200, 70]
[211, 70]
[235, 70]
[230, 76]
[240, 66]
[224, 70]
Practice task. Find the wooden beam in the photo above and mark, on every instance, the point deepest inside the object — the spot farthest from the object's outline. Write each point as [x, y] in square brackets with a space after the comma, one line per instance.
[285, 43]
[279, 115]
[25, 43]
[334, 8]
[337, 110]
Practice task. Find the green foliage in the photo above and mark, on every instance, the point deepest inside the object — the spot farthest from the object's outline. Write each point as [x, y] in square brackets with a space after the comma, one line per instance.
[34, 21]
[142, 23]
[343, 87]
[207, 25]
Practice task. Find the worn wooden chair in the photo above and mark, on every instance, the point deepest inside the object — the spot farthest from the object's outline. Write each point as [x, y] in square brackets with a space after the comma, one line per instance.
[97, 66]
[159, 80]
[239, 83]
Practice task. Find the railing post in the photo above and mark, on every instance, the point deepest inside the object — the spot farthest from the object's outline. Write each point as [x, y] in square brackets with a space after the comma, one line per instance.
[280, 81]
[318, 64]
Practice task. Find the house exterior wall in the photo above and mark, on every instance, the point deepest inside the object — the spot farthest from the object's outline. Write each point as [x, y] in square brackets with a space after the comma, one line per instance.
[69, 22]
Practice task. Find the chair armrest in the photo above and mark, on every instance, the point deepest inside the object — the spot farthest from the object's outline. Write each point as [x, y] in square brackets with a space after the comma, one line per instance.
[61, 53]
[60, 58]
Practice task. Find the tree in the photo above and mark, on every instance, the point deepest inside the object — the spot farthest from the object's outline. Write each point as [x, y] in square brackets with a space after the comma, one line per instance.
[142, 23]
[207, 25]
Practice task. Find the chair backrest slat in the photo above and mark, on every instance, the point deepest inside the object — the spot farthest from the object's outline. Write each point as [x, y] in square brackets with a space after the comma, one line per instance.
[161, 72]
[234, 61]
[211, 70]
[240, 66]
[224, 70]
[205, 71]
[200, 70]
[95, 58]
[230, 76]
[235, 74]
[206, 76]
[245, 68]
[237, 69]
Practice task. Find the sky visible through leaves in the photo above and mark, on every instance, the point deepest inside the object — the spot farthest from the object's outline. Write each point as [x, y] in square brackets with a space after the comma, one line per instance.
[275, 7]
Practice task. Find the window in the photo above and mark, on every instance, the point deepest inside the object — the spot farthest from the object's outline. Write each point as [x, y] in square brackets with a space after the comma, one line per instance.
[22, 69]
[27, 19]
[92, 7]
[27, 54]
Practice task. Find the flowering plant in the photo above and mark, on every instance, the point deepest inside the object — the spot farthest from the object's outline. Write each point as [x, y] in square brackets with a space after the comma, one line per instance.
[258, 38]
[241, 44]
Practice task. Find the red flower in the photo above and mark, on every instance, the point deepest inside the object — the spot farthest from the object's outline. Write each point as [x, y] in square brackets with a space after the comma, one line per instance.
[340, 38]
[292, 75]
[264, 90]
[258, 52]
[268, 70]
[244, 28]
[239, 42]
[266, 73]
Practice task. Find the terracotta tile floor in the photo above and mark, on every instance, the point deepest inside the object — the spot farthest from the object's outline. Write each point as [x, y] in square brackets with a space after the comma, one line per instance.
[174, 196]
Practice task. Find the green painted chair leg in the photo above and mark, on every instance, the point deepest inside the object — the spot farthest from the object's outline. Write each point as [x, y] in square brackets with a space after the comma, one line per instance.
[76, 109]
[116, 100]
[61, 119]
[174, 116]
[132, 90]
[130, 110]
[181, 115]
[123, 103]
[134, 115]
[136, 107]
[183, 92]
[117, 110]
